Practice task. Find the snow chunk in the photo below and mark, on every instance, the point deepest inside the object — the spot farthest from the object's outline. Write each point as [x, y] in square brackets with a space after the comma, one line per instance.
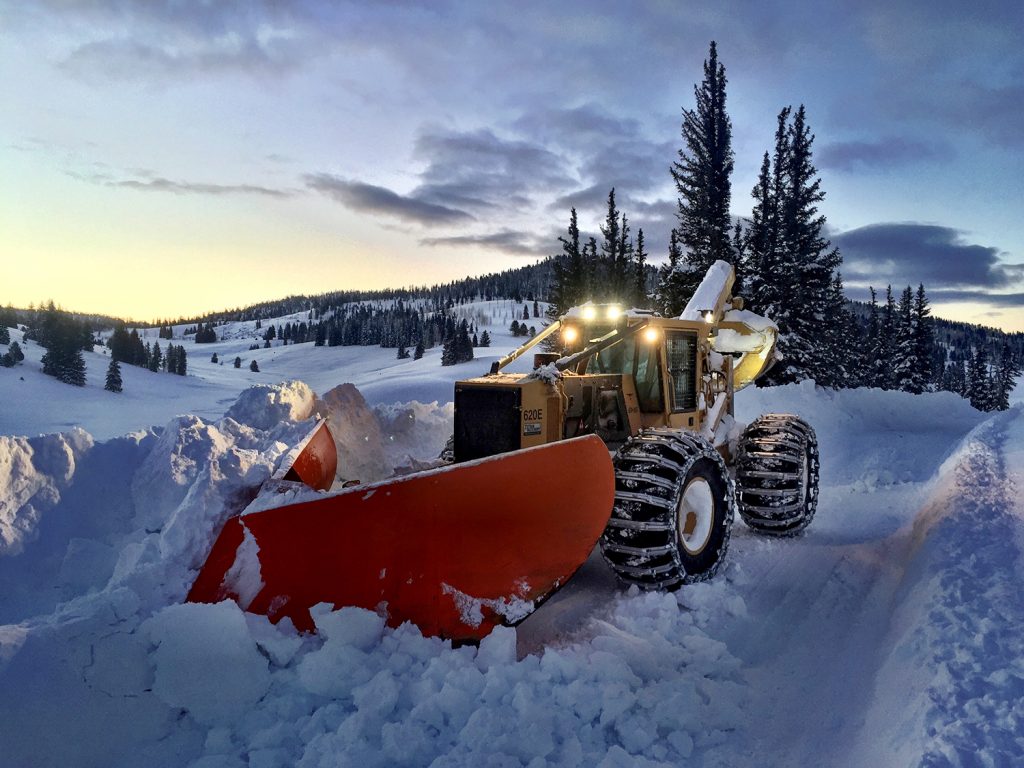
[514, 608]
[266, 405]
[357, 435]
[497, 648]
[33, 472]
[244, 577]
[206, 661]
[356, 627]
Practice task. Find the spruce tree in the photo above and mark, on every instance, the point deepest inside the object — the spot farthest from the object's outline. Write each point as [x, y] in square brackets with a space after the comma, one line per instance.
[418, 352]
[485, 339]
[905, 365]
[670, 294]
[213, 358]
[15, 352]
[924, 338]
[254, 367]
[702, 177]
[979, 389]
[5, 335]
[640, 298]
[806, 263]
[113, 383]
[238, 362]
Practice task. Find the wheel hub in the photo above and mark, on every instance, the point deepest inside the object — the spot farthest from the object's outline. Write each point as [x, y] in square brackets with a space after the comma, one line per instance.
[695, 516]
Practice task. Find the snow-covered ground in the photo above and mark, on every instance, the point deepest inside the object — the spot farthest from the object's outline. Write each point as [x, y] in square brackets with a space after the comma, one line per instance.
[888, 634]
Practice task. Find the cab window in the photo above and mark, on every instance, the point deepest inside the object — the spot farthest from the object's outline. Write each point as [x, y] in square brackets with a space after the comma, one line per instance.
[681, 353]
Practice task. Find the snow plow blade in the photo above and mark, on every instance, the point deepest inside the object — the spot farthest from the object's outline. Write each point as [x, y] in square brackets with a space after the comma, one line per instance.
[314, 461]
[455, 550]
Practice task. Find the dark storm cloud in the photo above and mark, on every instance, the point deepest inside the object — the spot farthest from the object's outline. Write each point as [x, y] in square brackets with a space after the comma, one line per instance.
[369, 198]
[909, 253]
[882, 154]
[479, 169]
[505, 241]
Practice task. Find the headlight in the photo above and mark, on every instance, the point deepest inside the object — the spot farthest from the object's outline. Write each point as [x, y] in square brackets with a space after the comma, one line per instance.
[651, 335]
[588, 313]
[709, 316]
[614, 312]
[570, 334]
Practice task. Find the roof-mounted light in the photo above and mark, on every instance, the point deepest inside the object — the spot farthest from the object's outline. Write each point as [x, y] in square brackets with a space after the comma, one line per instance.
[588, 313]
[651, 334]
[570, 334]
[614, 312]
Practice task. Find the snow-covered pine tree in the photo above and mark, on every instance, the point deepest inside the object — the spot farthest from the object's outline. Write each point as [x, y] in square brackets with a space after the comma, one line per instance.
[238, 362]
[979, 384]
[702, 177]
[5, 335]
[924, 338]
[842, 343]
[254, 367]
[1005, 378]
[15, 352]
[804, 271]
[906, 367]
[113, 383]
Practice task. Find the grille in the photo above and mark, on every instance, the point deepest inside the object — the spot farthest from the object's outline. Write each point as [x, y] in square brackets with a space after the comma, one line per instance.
[486, 421]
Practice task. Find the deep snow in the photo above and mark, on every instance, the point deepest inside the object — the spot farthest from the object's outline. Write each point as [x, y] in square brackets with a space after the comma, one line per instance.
[888, 634]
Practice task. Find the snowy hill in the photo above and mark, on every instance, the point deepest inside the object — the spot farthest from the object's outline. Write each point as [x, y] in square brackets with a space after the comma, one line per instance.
[887, 635]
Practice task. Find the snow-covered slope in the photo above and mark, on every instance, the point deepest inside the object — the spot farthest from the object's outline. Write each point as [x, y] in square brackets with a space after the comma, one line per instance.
[887, 635]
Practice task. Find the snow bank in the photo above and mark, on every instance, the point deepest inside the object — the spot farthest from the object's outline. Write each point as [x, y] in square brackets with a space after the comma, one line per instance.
[33, 473]
[955, 640]
[870, 438]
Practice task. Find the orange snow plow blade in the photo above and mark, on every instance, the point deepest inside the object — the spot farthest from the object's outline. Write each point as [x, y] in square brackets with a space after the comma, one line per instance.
[456, 550]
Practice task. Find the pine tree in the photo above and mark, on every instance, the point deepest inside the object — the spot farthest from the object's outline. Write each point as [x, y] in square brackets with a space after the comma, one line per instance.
[570, 272]
[15, 352]
[418, 352]
[182, 366]
[1005, 378]
[238, 362]
[905, 365]
[403, 352]
[254, 367]
[924, 338]
[5, 335]
[641, 299]
[671, 293]
[155, 357]
[702, 177]
[113, 383]
[979, 389]
[213, 358]
[807, 261]
[485, 339]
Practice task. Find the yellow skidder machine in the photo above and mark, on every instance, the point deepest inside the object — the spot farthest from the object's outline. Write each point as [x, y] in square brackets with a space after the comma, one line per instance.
[625, 437]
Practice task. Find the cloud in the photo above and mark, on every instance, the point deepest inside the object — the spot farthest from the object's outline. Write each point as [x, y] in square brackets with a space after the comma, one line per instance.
[479, 169]
[97, 173]
[506, 241]
[196, 188]
[369, 198]
[882, 154]
[909, 253]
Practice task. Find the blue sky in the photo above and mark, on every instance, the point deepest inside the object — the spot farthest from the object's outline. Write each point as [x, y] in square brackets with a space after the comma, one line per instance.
[168, 157]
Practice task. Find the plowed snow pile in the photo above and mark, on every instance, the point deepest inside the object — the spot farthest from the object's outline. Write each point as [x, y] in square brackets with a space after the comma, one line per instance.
[888, 634]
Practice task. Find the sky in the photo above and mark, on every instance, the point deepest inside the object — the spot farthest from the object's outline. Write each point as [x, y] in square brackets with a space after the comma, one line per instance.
[168, 158]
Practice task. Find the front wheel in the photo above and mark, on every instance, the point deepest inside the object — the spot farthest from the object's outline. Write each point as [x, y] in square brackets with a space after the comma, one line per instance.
[673, 513]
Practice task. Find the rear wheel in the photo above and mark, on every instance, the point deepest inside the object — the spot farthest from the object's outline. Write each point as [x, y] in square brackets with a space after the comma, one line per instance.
[673, 510]
[777, 474]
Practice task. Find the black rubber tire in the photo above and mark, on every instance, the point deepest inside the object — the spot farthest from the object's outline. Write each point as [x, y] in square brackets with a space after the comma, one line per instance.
[777, 474]
[645, 542]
